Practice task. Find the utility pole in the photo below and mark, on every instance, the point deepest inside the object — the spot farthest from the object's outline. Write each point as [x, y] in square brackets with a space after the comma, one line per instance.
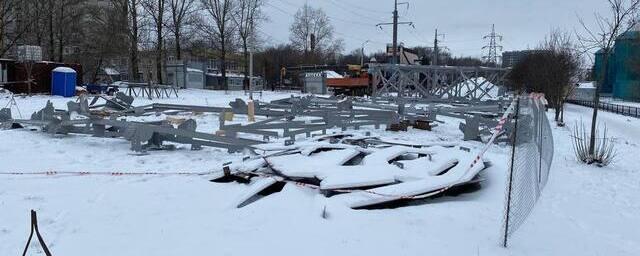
[395, 33]
[492, 54]
[436, 49]
[395, 24]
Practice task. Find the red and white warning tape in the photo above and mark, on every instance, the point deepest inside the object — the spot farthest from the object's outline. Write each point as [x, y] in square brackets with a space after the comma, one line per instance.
[81, 173]
[478, 158]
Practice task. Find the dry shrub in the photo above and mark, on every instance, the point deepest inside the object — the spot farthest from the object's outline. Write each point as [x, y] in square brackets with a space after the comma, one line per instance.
[604, 152]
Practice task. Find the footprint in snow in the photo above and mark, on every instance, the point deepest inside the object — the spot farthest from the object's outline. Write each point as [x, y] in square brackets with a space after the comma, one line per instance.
[34, 198]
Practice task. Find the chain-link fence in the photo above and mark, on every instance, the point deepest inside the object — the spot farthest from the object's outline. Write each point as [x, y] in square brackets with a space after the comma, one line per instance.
[530, 161]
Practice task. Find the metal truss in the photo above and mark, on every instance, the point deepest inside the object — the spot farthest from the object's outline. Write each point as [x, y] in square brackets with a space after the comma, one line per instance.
[435, 82]
[151, 90]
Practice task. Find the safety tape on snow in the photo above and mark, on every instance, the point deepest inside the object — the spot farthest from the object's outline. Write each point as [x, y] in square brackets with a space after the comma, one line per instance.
[477, 159]
[80, 173]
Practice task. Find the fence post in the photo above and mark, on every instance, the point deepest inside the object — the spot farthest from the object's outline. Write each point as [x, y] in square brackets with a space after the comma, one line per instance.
[513, 154]
[540, 117]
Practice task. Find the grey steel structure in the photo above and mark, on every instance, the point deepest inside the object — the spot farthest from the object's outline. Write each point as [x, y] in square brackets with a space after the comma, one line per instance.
[435, 82]
[142, 135]
[151, 90]
[284, 118]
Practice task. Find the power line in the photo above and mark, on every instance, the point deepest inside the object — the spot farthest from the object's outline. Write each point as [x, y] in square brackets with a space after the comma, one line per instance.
[414, 32]
[364, 8]
[336, 32]
[395, 24]
[359, 39]
[271, 38]
[347, 9]
[350, 22]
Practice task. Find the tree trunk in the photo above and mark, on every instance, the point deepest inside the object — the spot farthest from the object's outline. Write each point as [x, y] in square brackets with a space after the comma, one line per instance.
[51, 35]
[223, 65]
[133, 56]
[159, 43]
[562, 113]
[178, 50]
[2, 32]
[61, 34]
[245, 82]
[596, 103]
[159, 61]
[94, 77]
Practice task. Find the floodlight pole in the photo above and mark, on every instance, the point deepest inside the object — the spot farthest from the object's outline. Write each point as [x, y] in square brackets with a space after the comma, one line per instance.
[362, 53]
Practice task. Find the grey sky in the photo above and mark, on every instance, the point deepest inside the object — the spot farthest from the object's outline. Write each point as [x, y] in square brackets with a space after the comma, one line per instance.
[464, 22]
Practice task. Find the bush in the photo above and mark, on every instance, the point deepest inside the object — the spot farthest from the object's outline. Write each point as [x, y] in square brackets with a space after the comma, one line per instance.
[604, 152]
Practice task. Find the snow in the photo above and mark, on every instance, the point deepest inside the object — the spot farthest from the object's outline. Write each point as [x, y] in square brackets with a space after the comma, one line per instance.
[64, 70]
[620, 102]
[332, 74]
[256, 186]
[584, 210]
[586, 85]
[228, 74]
[194, 70]
[461, 173]
[466, 87]
[111, 71]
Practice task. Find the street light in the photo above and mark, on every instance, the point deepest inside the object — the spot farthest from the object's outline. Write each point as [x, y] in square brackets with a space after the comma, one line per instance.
[362, 53]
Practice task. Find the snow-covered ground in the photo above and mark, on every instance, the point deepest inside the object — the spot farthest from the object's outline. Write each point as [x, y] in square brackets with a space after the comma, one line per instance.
[620, 102]
[584, 210]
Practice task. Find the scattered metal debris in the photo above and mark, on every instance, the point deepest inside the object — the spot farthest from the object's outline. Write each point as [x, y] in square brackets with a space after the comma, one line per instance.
[413, 172]
[284, 118]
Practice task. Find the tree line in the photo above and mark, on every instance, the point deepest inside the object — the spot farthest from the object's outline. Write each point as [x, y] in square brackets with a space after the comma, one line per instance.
[92, 32]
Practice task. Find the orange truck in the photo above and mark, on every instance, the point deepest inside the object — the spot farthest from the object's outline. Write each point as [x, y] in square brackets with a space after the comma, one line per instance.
[352, 86]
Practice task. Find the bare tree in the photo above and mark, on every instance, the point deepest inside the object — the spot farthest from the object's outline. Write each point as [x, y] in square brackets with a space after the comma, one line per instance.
[108, 30]
[181, 11]
[551, 69]
[155, 9]
[131, 10]
[246, 17]
[221, 31]
[69, 24]
[311, 30]
[272, 59]
[623, 14]
[562, 71]
[10, 31]
[50, 29]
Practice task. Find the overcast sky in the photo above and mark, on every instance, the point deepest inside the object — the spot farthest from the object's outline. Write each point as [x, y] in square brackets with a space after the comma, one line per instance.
[523, 23]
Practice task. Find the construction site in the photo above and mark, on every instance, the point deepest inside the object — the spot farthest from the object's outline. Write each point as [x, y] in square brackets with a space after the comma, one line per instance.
[180, 130]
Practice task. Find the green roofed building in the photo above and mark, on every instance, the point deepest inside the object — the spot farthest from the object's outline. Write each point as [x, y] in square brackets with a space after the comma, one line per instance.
[607, 86]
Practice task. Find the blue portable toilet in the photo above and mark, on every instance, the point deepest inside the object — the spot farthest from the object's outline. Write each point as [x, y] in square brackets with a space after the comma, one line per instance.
[63, 82]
